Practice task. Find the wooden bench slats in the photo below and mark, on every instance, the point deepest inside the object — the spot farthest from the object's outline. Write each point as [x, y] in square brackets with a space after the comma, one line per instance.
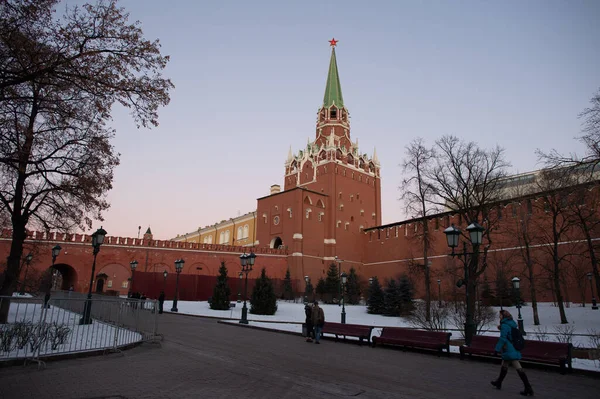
[556, 353]
[348, 330]
[414, 338]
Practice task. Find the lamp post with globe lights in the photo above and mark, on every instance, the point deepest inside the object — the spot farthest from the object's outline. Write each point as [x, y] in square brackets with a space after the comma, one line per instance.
[133, 264]
[247, 261]
[344, 280]
[178, 268]
[476, 237]
[517, 286]
[97, 241]
[28, 259]
[165, 274]
[439, 293]
[241, 276]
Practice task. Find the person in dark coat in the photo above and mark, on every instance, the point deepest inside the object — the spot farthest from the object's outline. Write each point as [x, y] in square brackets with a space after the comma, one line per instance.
[161, 301]
[510, 355]
[318, 319]
[308, 322]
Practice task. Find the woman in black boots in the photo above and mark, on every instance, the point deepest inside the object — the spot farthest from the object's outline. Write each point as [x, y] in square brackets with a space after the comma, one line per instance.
[510, 355]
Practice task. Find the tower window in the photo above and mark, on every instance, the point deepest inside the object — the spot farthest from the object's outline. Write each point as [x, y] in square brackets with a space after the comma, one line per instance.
[333, 113]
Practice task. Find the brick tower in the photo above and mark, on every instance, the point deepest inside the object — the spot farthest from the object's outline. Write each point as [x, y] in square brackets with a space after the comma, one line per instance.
[331, 193]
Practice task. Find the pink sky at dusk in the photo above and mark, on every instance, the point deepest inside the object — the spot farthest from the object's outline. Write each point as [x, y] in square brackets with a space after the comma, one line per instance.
[250, 77]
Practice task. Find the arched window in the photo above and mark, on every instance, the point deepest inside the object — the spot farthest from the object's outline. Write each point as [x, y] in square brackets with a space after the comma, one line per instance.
[246, 231]
[333, 113]
[227, 237]
[222, 237]
[240, 233]
[210, 239]
[308, 212]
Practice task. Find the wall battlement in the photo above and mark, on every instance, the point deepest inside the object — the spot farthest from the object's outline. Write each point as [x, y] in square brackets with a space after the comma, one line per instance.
[140, 242]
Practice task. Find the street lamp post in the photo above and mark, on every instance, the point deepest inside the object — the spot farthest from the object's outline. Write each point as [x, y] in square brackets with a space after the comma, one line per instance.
[28, 259]
[241, 276]
[344, 279]
[97, 241]
[133, 265]
[594, 303]
[439, 293]
[178, 268]
[306, 280]
[55, 252]
[247, 261]
[165, 274]
[517, 286]
[476, 236]
[339, 262]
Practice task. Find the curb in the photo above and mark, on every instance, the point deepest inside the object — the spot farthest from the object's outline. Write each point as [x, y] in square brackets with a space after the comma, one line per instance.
[588, 373]
[66, 356]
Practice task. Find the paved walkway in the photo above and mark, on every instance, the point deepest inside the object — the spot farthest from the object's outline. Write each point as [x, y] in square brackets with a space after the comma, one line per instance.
[202, 359]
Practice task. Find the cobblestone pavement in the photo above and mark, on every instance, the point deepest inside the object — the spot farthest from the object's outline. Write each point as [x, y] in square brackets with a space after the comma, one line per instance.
[200, 358]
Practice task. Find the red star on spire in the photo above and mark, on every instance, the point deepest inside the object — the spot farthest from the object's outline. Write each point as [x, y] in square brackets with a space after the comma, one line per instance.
[333, 42]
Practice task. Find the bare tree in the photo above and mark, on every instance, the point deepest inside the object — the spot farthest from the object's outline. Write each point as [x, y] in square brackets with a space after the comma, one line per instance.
[590, 138]
[417, 196]
[525, 229]
[583, 210]
[555, 186]
[467, 180]
[59, 79]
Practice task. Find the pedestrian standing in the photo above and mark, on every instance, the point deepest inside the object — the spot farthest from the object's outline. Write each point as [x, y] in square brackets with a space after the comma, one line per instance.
[308, 322]
[161, 301]
[509, 338]
[318, 319]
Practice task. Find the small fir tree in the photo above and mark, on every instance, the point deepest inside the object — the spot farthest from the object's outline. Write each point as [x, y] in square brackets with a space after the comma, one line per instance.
[288, 292]
[332, 283]
[353, 288]
[264, 300]
[405, 293]
[392, 299]
[321, 288]
[221, 292]
[375, 301]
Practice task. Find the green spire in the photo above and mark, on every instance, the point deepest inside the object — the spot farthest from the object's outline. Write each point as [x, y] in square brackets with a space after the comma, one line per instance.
[148, 231]
[333, 89]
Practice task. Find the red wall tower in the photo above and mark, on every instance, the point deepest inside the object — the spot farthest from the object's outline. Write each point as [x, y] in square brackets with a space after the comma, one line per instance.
[331, 193]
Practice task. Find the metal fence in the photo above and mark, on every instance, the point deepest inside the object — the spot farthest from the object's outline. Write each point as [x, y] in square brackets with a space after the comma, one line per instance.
[34, 331]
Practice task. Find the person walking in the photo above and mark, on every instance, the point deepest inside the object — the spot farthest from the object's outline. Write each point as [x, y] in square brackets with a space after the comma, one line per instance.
[308, 322]
[161, 302]
[510, 354]
[318, 321]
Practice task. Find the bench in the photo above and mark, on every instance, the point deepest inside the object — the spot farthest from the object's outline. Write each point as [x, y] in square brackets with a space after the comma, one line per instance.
[421, 339]
[555, 353]
[348, 330]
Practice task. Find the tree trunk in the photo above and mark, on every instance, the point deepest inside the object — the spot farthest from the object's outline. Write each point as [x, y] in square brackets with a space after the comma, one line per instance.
[556, 278]
[532, 292]
[11, 274]
[427, 291]
[594, 261]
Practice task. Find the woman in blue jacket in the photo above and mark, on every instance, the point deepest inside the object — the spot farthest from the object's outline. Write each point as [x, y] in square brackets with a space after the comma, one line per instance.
[510, 356]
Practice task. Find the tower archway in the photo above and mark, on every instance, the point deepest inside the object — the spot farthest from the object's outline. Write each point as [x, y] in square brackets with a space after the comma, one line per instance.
[63, 276]
[276, 242]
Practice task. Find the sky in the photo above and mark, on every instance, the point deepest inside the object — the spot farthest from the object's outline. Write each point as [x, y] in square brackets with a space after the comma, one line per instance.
[250, 76]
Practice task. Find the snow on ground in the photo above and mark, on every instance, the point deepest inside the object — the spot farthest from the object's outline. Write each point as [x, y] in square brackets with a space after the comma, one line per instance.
[97, 335]
[581, 319]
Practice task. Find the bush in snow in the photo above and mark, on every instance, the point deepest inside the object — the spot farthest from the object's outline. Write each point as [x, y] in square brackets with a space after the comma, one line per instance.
[7, 338]
[541, 333]
[564, 333]
[482, 317]
[438, 317]
[58, 334]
